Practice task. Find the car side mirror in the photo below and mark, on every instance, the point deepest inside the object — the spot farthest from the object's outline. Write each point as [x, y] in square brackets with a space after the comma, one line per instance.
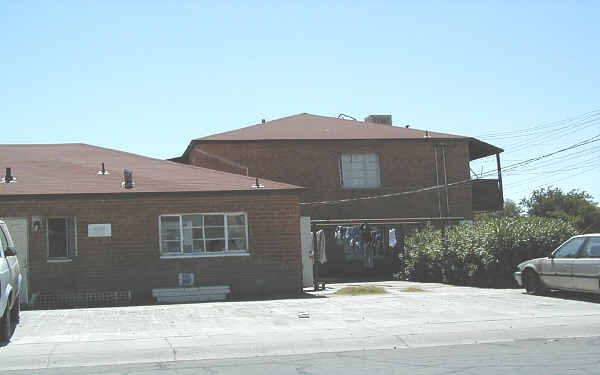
[10, 251]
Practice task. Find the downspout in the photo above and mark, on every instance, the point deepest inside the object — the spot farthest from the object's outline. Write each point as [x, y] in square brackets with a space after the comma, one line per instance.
[437, 179]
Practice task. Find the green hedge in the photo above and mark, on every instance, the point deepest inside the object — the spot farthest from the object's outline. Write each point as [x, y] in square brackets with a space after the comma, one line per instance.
[483, 254]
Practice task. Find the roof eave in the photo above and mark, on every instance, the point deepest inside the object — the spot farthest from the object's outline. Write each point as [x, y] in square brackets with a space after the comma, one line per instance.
[150, 193]
[479, 149]
[424, 139]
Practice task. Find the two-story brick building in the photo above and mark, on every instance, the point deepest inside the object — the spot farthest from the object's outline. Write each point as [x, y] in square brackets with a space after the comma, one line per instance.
[338, 159]
[87, 230]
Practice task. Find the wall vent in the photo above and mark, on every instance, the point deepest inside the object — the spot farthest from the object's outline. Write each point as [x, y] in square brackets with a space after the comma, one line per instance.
[186, 280]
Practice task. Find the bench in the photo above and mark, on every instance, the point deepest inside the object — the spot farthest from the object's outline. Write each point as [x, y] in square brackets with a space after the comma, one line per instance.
[195, 294]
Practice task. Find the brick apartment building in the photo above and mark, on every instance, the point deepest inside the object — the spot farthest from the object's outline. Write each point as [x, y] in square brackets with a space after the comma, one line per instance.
[338, 159]
[83, 228]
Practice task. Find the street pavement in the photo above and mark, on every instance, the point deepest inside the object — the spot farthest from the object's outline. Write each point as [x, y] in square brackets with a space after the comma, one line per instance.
[531, 357]
[441, 315]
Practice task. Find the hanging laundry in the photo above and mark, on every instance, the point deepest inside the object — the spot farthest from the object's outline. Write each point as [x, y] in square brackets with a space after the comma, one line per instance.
[367, 238]
[322, 256]
[340, 235]
[393, 240]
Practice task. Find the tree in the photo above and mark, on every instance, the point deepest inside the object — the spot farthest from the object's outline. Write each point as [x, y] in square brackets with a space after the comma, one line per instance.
[510, 209]
[575, 206]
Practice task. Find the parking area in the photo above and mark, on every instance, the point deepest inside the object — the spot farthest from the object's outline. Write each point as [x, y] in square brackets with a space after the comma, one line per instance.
[409, 315]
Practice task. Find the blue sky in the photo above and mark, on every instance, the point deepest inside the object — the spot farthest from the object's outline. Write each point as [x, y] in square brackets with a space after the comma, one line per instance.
[148, 76]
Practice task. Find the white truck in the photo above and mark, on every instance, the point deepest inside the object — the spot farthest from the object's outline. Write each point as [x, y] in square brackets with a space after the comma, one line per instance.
[10, 284]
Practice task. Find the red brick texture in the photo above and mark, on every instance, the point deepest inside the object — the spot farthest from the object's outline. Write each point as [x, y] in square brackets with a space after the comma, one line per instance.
[405, 165]
[130, 259]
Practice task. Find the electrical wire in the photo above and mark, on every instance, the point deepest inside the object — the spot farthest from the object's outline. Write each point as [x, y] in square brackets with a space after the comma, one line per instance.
[427, 188]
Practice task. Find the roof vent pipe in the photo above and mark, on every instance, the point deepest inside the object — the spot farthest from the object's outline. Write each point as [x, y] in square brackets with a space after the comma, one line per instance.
[257, 185]
[103, 171]
[263, 121]
[128, 179]
[9, 177]
[427, 134]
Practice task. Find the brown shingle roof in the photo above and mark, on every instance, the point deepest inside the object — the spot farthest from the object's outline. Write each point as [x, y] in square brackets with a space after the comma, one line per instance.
[72, 169]
[305, 126]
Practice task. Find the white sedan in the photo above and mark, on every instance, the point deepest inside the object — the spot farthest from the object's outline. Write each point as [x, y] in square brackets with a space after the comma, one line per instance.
[574, 266]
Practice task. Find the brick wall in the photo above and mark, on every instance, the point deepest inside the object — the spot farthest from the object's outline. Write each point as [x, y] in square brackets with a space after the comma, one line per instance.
[404, 164]
[130, 259]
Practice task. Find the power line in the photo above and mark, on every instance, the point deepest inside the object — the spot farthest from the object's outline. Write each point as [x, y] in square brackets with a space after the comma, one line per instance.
[539, 128]
[558, 180]
[531, 160]
[428, 188]
[546, 136]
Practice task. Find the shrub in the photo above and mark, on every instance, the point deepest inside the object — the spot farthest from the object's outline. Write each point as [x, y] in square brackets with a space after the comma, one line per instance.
[483, 254]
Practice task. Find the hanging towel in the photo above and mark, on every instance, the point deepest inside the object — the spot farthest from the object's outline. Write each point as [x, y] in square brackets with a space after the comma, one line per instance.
[321, 246]
[393, 241]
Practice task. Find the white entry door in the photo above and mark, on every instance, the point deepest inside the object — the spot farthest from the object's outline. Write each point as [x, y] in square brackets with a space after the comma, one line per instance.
[307, 251]
[19, 232]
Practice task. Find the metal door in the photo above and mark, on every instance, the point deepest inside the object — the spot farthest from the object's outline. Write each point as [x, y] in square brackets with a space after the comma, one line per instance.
[19, 232]
[558, 273]
[586, 268]
[306, 244]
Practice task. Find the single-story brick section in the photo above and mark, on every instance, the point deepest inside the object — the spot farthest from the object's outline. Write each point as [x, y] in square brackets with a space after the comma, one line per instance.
[86, 227]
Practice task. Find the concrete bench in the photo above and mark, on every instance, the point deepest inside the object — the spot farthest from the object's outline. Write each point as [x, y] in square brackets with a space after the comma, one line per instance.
[196, 294]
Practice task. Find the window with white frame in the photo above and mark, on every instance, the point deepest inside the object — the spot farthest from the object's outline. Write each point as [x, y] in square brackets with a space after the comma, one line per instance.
[204, 234]
[359, 170]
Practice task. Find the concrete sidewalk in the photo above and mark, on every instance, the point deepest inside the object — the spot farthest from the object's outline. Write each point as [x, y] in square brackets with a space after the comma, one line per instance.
[442, 315]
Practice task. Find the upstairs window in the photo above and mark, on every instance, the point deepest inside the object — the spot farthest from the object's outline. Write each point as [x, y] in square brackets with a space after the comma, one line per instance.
[360, 171]
[203, 234]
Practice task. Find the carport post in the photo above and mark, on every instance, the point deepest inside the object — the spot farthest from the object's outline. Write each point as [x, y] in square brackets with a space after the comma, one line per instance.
[501, 203]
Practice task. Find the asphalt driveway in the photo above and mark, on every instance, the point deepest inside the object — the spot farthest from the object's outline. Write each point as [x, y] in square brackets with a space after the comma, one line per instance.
[439, 315]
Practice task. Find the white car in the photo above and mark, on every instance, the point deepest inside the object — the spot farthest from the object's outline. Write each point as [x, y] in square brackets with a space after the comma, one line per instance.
[10, 284]
[574, 266]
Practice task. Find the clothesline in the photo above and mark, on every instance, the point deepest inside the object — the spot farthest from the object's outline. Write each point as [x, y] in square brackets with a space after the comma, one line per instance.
[344, 223]
[401, 219]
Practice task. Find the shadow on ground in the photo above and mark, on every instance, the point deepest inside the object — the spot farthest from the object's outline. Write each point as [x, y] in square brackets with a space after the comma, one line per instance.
[573, 296]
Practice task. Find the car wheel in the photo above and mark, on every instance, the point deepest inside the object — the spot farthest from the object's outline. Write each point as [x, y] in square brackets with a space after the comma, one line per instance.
[5, 326]
[15, 313]
[532, 283]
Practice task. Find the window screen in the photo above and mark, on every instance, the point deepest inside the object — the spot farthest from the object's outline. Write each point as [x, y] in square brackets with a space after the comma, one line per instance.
[360, 170]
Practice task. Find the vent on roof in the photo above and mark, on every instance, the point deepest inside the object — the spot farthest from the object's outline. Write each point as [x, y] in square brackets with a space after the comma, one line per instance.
[128, 179]
[9, 178]
[257, 185]
[427, 134]
[379, 119]
[263, 121]
[103, 171]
